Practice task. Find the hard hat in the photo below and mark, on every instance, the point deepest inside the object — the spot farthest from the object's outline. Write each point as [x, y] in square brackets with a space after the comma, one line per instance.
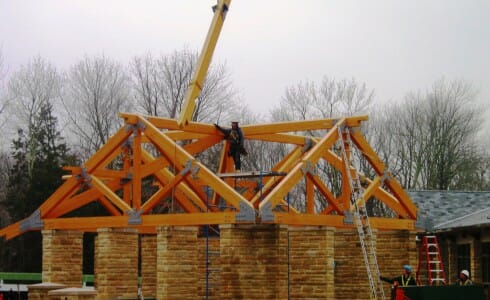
[408, 268]
[466, 273]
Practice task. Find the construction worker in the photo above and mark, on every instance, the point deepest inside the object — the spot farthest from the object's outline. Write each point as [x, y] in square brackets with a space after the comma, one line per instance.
[406, 279]
[464, 278]
[235, 137]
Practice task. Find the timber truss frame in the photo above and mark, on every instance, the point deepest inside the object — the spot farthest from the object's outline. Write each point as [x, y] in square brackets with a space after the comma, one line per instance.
[159, 150]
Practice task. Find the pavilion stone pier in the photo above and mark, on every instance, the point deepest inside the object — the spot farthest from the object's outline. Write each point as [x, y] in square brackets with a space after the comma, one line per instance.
[62, 257]
[116, 263]
[177, 262]
[148, 265]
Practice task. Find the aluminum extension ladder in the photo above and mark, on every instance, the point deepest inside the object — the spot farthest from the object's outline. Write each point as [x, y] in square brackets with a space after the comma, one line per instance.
[361, 218]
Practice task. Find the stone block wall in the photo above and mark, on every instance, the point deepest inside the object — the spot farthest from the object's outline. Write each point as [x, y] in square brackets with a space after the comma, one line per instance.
[148, 265]
[246, 262]
[177, 263]
[311, 262]
[116, 263]
[62, 257]
[254, 262]
[395, 249]
[476, 260]
[351, 280]
[213, 269]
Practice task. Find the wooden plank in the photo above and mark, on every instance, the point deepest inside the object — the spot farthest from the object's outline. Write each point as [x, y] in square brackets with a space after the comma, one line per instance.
[325, 191]
[68, 188]
[11, 231]
[189, 219]
[295, 126]
[338, 221]
[183, 192]
[285, 165]
[162, 192]
[310, 196]
[108, 151]
[180, 158]
[310, 159]
[251, 174]
[279, 138]
[380, 168]
[136, 170]
[127, 188]
[80, 200]
[106, 191]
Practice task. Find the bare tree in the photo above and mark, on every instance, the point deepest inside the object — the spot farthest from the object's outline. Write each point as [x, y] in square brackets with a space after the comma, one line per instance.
[96, 90]
[431, 138]
[329, 99]
[160, 85]
[3, 96]
[31, 88]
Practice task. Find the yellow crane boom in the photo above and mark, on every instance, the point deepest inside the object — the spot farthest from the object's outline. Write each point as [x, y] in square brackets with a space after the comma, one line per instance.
[204, 61]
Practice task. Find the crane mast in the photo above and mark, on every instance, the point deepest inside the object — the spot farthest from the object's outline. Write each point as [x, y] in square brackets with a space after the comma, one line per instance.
[203, 63]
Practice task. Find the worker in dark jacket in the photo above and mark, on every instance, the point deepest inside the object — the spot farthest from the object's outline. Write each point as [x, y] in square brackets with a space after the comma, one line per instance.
[235, 137]
[405, 279]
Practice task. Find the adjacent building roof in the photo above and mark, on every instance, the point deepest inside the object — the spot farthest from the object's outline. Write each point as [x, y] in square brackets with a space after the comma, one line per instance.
[478, 218]
[449, 209]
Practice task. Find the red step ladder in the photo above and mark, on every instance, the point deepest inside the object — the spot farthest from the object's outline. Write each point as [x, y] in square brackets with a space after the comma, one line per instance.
[430, 254]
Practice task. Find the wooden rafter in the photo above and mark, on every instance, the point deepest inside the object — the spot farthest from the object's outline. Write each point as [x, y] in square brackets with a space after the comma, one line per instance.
[181, 178]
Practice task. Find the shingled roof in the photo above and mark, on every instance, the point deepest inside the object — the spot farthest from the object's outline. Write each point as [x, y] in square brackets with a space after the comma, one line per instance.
[449, 209]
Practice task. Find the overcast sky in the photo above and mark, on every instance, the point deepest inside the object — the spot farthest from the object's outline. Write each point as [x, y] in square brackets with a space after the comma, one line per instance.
[392, 46]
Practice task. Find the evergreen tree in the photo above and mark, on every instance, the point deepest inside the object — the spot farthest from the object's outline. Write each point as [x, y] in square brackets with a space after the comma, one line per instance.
[39, 154]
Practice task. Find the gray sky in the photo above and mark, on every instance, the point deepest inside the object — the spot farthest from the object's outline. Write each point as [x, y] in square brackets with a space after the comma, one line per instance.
[393, 46]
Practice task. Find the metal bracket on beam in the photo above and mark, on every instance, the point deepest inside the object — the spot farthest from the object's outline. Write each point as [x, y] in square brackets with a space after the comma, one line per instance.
[386, 176]
[187, 169]
[126, 179]
[32, 222]
[348, 218]
[135, 217]
[246, 213]
[307, 146]
[308, 168]
[194, 172]
[223, 12]
[190, 168]
[87, 180]
[129, 127]
[140, 125]
[266, 213]
[128, 143]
